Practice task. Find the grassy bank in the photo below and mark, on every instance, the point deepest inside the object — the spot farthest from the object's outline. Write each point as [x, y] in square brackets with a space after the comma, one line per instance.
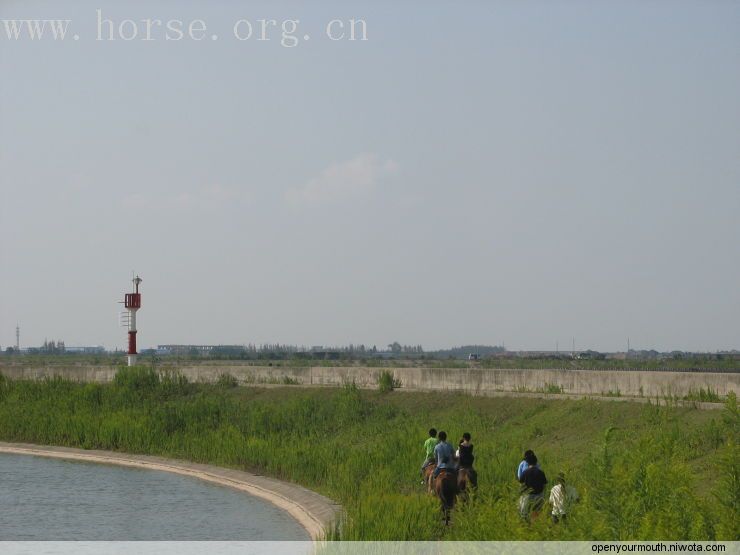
[643, 472]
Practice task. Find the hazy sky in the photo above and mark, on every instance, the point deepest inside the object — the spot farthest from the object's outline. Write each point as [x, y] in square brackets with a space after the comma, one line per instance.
[474, 172]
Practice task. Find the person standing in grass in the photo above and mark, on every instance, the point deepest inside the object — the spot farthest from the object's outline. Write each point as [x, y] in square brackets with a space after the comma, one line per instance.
[533, 487]
[529, 460]
[562, 496]
[429, 446]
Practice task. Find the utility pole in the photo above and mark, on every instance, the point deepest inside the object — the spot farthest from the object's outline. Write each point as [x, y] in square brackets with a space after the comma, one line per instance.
[17, 338]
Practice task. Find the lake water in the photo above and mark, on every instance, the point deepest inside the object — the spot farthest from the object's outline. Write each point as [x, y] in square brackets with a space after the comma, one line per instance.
[52, 499]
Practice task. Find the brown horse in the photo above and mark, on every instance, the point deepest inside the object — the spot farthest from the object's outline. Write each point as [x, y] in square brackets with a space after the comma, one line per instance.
[428, 473]
[445, 485]
[467, 480]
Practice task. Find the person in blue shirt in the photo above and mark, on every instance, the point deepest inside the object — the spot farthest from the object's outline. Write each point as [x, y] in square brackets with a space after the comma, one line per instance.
[444, 454]
[530, 459]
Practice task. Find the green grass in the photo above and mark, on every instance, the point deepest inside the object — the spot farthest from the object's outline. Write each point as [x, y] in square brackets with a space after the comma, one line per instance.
[707, 395]
[643, 471]
[553, 388]
[227, 380]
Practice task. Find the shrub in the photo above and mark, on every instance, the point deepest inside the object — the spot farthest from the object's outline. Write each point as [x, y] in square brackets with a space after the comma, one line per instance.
[227, 381]
[136, 378]
[553, 388]
[387, 382]
[173, 382]
[707, 395]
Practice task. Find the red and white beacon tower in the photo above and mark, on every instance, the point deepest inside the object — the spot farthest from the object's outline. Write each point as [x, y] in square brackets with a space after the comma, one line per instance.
[132, 302]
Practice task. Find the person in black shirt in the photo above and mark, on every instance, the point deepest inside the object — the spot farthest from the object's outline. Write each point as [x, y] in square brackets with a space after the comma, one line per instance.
[465, 460]
[534, 480]
[533, 488]
[465, 452]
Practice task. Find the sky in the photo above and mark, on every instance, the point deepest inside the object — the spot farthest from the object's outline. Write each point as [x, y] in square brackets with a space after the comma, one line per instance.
[489, 172]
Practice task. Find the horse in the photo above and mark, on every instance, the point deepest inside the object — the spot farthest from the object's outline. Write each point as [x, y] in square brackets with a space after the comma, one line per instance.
[428, 473]
[467, 480]
[445, 486]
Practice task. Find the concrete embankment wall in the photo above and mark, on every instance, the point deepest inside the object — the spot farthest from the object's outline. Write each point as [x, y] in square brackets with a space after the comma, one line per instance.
[471, 380]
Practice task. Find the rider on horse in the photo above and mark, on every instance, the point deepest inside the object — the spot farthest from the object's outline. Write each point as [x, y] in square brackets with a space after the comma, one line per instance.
[444, 455]
[465, 452]
[429, 446]
[465, 459]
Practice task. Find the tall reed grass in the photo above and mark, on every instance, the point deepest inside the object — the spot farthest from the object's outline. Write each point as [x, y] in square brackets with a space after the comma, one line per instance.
[643, 472]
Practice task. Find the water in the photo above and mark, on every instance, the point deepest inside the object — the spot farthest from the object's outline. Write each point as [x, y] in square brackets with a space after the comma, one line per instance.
[52, 499]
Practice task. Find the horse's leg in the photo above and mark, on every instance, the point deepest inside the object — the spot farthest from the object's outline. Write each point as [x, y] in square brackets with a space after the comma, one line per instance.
[450, 500]
[440, 487]
[462, 486]
[450, 495]
[445, 506]
[439, 491]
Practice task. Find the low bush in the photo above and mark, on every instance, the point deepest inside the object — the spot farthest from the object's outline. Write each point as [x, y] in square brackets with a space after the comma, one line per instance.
[707, 395]
[553, 388]
[227, 381]
[387, 382]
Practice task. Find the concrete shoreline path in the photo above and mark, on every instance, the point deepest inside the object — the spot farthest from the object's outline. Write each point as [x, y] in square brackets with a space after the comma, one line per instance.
[314, 512]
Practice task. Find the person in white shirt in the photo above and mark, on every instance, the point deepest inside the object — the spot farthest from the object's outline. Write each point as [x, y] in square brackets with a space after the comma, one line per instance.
[562, 496]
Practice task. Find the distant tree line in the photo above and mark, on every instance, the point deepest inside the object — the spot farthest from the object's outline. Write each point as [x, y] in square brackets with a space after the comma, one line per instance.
[279, 351]
[49, 348]
[464, 351]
